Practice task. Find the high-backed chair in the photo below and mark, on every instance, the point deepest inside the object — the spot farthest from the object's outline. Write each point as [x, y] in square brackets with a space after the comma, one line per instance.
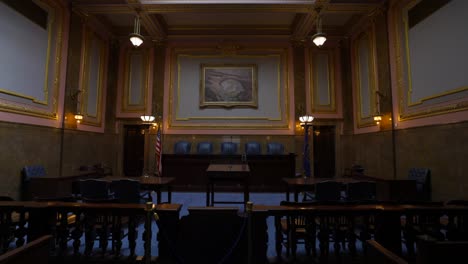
[126, 191]
[182, 147]
[94, 190]
[28, 173]
[204, 148]
[328, 191]
[228, 148]
[361, 192]
[422, 176]
[275, 148]
[253, 148]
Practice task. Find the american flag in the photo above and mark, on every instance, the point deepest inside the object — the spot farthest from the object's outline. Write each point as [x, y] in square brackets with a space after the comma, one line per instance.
[158, 147]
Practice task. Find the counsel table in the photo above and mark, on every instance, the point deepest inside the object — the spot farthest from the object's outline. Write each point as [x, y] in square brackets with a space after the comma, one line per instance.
[232, 173]
[299, 184]
[151, 183]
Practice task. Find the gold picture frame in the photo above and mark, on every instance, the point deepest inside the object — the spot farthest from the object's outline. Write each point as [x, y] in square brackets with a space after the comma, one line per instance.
[228, 85]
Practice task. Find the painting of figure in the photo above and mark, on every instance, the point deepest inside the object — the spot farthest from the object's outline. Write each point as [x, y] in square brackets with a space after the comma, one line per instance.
[228, 86]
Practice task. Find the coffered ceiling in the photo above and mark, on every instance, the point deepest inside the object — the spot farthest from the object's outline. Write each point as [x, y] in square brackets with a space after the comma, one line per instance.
[166, 19]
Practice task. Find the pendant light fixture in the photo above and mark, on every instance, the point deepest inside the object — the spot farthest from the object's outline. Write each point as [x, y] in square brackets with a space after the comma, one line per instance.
[319, 38]
[136, 38]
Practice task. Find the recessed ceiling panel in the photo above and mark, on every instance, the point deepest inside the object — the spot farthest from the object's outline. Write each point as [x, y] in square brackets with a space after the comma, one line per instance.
[203, 19]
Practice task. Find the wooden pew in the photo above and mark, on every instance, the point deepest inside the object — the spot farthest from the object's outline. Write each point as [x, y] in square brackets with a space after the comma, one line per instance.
[35, 252]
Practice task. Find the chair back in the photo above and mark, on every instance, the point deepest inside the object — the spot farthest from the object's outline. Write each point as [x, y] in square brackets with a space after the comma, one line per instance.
[275, 148]
[422, 176]
[253, 148]
[205, 148]
[33, 171]
[228, 148]
[361, 191]
[94, 190]
[328, 191]
[182, 147]
[126, 190]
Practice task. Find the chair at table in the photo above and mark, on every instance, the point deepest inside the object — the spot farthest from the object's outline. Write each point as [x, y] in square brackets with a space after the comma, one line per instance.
[204, 148]
[95, 190]
[361, 192]
[275, 148]
[295, 229]
[331, 229]
[228, 148]
[127, 191]
[28, 173]
[422, 176]
[252, 148]
[328, 191]
[100, 226]
[182, 147]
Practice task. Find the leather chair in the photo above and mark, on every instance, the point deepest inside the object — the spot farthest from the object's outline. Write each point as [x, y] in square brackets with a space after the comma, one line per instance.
[253, 148]
[422, 176]
[182, 147]
[205, 148]
[127, 191]
[28, 173]
[275, 148]
[94, 190]
[228, 148]
[361, 192]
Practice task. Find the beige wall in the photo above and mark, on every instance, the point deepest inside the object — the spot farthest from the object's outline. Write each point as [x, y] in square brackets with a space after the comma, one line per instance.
[441, 148]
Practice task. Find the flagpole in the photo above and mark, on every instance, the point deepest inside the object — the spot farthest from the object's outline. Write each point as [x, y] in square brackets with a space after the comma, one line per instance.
[158, 156]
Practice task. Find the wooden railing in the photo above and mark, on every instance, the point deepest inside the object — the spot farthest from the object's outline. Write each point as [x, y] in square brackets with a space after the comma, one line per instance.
[75, 227]
[34, 252]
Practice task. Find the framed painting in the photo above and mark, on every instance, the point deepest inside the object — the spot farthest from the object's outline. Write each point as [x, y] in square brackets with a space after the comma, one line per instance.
[228, 85]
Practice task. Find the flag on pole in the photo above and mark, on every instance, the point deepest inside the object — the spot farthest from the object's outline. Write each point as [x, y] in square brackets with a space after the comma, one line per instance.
[158, 152]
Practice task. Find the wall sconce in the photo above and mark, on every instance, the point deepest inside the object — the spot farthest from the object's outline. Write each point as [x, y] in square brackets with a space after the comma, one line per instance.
[75, 97]
[378, 118]
[78, 117]
[136, 38]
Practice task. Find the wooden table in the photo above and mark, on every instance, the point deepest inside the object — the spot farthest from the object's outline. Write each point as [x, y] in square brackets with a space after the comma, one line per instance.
[151, 183]
[300, 184]
[231, 173]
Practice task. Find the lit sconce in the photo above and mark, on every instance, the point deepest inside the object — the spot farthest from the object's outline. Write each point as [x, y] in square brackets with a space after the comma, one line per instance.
[75, 97]
[78, 117]
[147, 118]
[378, 119]
[306, 119]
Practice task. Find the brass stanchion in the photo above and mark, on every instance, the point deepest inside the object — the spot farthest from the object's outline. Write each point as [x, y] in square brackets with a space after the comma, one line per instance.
[149, 214]
[248, 208]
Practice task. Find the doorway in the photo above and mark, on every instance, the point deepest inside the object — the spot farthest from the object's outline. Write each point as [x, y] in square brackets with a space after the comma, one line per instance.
[134, 150]
[324, 151]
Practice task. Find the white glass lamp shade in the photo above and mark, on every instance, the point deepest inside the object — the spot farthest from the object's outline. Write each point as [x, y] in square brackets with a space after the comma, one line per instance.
[146, 118]
[319, 39]
[306, 119]
[136, 39]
